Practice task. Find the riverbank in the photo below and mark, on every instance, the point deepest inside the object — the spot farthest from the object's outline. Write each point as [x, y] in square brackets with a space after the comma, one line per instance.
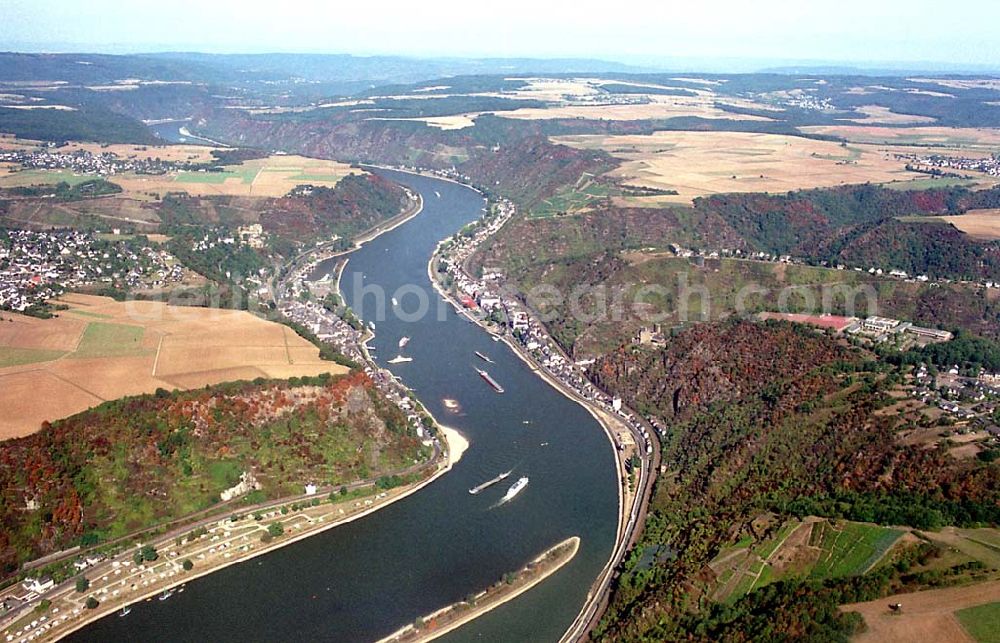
[536, 368]
[187, 134]
[228, 542]
[396, 554]
[318, 255]
[632, 503]
[114, 591]
[389, 225]
[456, 615]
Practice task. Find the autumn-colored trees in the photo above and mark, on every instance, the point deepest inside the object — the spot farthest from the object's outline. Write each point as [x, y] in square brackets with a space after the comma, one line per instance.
[126, 464]
[768, 417]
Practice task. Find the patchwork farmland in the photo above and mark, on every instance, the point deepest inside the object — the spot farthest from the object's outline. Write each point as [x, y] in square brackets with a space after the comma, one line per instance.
[702, 163]
[100, 349]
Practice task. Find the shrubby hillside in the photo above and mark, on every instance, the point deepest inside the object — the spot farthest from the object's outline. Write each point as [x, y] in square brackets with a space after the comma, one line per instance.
[355, 204]
[861, 225]
[135, 462]
[768, 417]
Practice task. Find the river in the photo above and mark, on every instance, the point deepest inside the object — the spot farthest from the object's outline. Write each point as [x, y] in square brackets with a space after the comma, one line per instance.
[365, 579]
[171, 133]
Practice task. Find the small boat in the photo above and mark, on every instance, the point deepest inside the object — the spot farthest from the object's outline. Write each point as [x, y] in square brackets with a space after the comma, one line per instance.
[167, 593]
[399, 359]
[395, 302]
[438, 194]
[371, 325]
[485, 358]
[403, 342]
[496, 338]
[125, 612]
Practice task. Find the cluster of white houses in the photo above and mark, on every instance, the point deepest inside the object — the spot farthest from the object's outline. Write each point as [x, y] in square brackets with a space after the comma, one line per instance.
[36, 266]
[989, 165]
[329, 327]
[84, 162]
[489, 295]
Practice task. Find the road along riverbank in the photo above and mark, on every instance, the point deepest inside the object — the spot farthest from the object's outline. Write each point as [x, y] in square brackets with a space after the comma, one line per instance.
[119, 582]
[326, 586]
[67, 612]
[624, 429]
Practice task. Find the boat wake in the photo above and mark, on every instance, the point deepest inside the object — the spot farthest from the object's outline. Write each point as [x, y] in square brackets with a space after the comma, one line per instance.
[515, 489]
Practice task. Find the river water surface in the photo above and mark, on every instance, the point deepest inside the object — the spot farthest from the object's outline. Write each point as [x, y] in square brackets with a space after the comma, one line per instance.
[365, 579]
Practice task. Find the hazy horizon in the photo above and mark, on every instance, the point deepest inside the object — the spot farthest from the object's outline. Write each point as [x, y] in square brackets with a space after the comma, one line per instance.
[718, 37]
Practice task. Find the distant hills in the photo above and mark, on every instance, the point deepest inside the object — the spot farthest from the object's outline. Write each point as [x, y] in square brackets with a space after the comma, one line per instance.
[340, 72]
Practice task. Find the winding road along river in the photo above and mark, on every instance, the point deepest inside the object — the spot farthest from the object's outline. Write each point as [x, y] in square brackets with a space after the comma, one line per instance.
[365, 579]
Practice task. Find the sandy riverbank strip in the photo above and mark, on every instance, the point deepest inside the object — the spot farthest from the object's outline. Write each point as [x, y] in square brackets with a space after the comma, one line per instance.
[390, 225]
[410, 635]
[456, 444]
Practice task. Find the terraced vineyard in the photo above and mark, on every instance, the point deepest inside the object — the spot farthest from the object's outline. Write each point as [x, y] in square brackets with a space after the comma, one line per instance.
[814, 550]
[849, 548]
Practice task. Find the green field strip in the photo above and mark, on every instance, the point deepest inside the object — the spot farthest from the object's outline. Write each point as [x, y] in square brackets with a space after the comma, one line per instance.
[981, 622]
[14, 356]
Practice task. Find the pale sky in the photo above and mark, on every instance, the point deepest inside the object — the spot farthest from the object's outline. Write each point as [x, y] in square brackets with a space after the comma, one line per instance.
[849, 31]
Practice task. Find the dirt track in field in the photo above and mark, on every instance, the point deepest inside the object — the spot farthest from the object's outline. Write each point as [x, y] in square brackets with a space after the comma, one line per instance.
[925, 616]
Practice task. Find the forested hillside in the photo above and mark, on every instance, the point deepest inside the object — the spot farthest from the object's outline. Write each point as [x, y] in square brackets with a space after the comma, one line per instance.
[84, 124]
[132, 463]
[498, 154]
[765, 417]
[355, 204]
[861, 225]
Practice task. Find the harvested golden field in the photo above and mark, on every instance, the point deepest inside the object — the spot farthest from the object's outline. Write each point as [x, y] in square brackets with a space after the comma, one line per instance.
[101, 349]
[885, 116]
[8, 142]
[552, 89]
[872, 89]
[60, 334]
[270, 177]
[925, 616]
[961, 83]
[273, 176]
[964, 137]
[174, 153]
[456, 121]
[588, 99]
[702, 163]
[659, 106]
[979, 224]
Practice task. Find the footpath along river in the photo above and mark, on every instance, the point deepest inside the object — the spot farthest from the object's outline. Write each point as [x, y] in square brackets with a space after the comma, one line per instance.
[366, 579]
